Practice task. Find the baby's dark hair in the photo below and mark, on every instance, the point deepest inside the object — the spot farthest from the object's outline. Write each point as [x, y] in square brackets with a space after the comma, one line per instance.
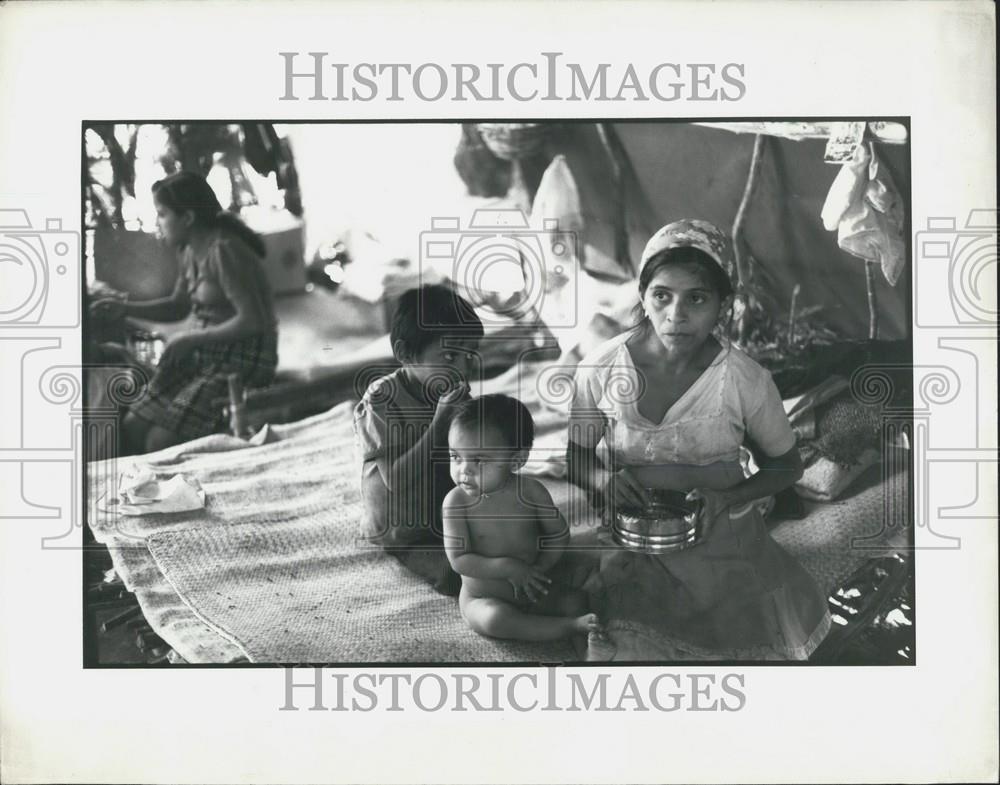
[507, 415]
[427, 314]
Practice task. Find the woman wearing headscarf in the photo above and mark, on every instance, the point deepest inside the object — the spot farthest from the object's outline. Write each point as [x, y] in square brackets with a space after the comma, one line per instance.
[667, 406]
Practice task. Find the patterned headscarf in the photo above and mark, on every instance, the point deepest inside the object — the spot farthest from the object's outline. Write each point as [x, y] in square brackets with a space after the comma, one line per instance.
[690, 233]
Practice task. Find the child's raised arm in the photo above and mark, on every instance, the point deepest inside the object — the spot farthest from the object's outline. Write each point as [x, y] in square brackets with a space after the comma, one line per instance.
[404, 473]
[554, 531]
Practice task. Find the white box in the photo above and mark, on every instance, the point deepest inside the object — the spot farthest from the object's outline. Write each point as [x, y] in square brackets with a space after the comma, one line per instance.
[284, 238]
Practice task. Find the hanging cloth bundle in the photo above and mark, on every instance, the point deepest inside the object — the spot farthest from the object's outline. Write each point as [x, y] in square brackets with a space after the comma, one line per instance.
[865, 208]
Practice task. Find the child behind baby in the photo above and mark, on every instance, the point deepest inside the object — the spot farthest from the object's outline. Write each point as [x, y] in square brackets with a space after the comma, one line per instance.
[401, 428]
[502, 531]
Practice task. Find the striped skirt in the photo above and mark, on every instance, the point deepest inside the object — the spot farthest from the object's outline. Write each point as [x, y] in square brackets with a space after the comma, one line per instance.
[182, 397]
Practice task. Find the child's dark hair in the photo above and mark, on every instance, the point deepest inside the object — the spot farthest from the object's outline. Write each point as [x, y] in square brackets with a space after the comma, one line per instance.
[507, 415]
[710, 271]
[427, 314]
[183, 191]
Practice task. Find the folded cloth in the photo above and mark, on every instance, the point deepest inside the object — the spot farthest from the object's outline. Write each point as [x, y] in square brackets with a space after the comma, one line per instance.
[138, 483]
[801, 410]
[142, 492]
[838, 438]
[865, 208]
[824, 480]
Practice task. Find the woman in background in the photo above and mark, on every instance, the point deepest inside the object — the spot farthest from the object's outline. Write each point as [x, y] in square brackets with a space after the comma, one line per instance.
[222, 282]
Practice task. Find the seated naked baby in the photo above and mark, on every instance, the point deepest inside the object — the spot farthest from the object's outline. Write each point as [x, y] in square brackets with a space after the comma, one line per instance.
[502, 532]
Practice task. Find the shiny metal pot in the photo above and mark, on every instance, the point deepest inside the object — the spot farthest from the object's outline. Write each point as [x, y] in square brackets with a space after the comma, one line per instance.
[668, 524]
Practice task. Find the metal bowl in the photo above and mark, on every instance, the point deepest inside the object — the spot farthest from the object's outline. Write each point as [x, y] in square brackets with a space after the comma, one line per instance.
[668, 523]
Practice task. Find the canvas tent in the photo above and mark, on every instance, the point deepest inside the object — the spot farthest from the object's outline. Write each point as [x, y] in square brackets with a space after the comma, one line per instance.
[646, 174]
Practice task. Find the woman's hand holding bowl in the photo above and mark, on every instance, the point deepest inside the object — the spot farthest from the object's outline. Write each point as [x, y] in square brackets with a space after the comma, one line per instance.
[711, 504]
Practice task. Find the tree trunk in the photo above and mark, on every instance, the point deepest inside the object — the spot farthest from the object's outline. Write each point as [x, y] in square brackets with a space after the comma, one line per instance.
[743, 271]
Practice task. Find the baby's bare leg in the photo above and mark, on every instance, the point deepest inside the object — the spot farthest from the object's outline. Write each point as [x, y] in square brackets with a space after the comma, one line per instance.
[499, 619]
[562, 601]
